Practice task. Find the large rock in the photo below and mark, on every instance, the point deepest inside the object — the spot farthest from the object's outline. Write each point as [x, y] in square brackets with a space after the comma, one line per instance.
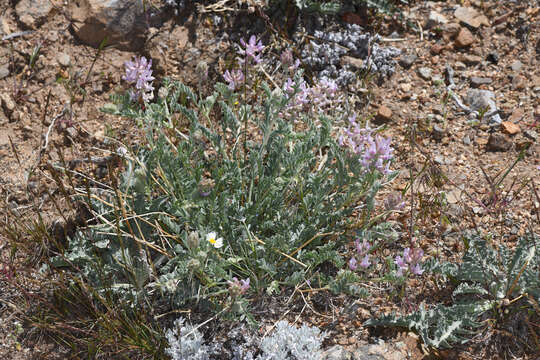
[33, 13]
[121, 22]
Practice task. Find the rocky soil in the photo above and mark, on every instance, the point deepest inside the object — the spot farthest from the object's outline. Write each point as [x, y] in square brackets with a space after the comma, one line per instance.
[466, 79]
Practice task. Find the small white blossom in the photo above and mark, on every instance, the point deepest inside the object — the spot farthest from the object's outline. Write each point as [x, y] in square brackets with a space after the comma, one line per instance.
[211, 238]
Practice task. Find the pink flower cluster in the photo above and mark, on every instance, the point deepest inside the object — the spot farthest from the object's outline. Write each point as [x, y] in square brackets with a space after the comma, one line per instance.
[410, 262]
[139, 73]
[362, 250]
[375, 151]
[248, 51]
[321, 96]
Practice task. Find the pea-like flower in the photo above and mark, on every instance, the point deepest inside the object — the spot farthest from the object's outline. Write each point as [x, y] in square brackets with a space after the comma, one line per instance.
[238, 287]
[352, 264]
[234, 78]
[139, 74]
[211, 238]
[375, 151]
[362, 249]
[410, 262]
[250, 50]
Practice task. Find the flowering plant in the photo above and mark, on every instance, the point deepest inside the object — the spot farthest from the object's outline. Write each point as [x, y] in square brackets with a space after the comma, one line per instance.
[374, 152]
[362, 250]
[139, 74]
[410, 262]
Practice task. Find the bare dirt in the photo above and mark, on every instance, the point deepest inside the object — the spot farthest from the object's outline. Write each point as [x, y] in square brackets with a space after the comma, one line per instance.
[37, 122]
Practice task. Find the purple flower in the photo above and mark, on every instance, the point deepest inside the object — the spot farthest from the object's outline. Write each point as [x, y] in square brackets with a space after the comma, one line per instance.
[417, 270]
[139, 73]
[406, 255]
[250, 50]
[378, 153]
[329, 85]
[365, 262]
[410, 261]
[287, 57]
[288, 86]
[302, 96]
[244, 285]
[402, 265]
[288, 61]
[352, 264]
[375, 153]
[362, 249]
[238, 287]
[234, 78]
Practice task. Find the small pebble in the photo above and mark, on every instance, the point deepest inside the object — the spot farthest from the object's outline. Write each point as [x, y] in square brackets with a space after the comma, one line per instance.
[425, 73]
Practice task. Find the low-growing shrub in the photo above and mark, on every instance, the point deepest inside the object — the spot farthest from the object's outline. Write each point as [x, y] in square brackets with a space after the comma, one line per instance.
[494, 286]
[229, 196]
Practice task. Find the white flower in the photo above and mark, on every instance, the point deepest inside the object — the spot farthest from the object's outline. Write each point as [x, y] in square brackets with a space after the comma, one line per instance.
[211, 238]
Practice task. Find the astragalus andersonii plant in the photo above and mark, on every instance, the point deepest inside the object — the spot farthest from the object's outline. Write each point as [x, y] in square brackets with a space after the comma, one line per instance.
[240, 201]
[496, 291]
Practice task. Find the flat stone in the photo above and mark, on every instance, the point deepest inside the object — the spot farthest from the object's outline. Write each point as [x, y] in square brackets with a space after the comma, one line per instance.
[425, 73]
[531, 134]
[63, 59]
[464, 38]
[438, 132]
[460, 65]
[510, 128]
[437, 109]
[498, 142]
[435, 19]
[7, 103]
[384, 115]
[337, 352]
[479, 81]
[436, 49]
[122, 22]
[450, 30]
[470, 59]
[481, 100]
[516, 66]
[377, 352]
[516, 116]
[407, 61]
[519, 82]
[406, 87]
[33, 13]
[471, 17]
[4, 71]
